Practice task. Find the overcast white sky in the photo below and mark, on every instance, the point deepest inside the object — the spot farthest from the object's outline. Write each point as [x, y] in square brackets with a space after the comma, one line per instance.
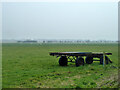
[59, 0]
[60, 20]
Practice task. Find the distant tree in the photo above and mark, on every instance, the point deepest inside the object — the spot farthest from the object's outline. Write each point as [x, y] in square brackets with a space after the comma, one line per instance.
[43, 41]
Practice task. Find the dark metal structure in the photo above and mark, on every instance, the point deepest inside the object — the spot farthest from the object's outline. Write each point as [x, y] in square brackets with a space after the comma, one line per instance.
[78, 57]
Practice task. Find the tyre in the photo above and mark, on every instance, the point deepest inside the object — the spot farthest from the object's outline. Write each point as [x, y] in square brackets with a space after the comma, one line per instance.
[106, 60]
[101, 60]
[89, 60]
[63, 61]
[79, 61]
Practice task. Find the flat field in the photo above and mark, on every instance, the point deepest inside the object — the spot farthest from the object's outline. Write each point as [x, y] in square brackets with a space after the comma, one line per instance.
[30, 66]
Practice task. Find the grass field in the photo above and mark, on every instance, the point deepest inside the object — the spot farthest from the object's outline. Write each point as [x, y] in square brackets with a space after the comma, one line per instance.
[30, 66]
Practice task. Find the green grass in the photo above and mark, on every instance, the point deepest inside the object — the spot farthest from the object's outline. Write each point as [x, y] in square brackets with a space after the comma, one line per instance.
[30, 66]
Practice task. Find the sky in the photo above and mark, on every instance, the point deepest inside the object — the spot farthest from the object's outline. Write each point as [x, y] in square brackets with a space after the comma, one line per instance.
[60, 20]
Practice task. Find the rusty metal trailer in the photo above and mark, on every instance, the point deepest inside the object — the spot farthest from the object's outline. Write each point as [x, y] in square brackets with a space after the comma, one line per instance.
[78, 57]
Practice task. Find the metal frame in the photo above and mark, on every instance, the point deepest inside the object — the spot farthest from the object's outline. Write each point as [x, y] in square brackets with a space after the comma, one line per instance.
[74, 55]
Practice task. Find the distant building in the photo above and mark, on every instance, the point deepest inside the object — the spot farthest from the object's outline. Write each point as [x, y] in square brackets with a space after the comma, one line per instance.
[27, 41]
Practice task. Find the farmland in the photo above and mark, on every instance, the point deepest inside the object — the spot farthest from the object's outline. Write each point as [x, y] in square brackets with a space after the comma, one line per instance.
[30, 66]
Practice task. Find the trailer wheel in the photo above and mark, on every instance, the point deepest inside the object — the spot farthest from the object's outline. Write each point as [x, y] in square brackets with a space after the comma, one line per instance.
[63, 61]
[101, 60]
[79, 61]
[106, 60]
[89, 60]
